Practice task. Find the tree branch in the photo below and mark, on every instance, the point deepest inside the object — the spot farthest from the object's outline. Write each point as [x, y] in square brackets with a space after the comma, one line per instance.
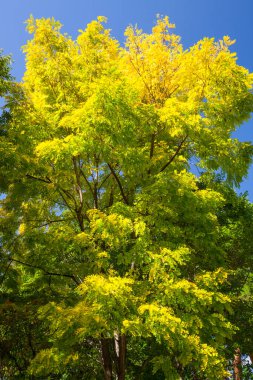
[65, 201]
[48, 222]
[47, 180]
[104, 180]
[78, 187]
[87, 182]
[46, 272]
[144, 82]
[152, 145]
[6, 270]
[119, 184]
[174, 155]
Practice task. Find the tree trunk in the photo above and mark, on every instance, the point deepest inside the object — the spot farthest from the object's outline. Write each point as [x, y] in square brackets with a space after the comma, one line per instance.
[237, 365]
[120, 349]
[106, 357]
[251, 357]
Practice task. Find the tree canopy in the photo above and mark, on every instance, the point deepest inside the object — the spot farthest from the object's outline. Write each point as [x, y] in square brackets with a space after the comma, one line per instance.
[119, 262]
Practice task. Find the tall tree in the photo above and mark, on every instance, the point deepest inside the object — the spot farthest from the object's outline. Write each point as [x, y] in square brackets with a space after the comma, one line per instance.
[103, 222]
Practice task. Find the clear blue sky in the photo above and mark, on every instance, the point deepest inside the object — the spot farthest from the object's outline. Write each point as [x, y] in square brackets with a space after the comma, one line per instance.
[194, 20]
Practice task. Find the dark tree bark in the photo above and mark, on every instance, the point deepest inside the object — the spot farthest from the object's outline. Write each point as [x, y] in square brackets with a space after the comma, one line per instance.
[106, 358]
[120, 349]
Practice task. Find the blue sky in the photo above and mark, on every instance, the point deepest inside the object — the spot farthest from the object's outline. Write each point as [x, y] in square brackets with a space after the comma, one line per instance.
[194, 20]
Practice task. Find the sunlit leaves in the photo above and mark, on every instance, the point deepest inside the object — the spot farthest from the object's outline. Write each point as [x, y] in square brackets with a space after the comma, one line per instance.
[103, 222]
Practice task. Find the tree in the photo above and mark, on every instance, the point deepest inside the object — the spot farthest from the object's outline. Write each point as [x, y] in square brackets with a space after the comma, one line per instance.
[237, 229]
[104, 225]
[5, 76]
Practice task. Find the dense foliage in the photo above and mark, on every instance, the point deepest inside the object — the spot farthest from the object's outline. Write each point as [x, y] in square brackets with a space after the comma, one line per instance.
[117, 261]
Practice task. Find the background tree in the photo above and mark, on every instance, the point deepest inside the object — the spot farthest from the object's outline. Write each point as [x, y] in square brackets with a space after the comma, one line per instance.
[237, 217]
[104, 225]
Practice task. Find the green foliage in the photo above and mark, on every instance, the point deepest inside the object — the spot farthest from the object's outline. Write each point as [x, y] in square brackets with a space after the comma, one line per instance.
[104, 227]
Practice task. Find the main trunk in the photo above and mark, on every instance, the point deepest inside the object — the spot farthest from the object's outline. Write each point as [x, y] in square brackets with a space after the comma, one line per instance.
[237, 365]
[120, 350]
[106, 358]
[114, 358]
